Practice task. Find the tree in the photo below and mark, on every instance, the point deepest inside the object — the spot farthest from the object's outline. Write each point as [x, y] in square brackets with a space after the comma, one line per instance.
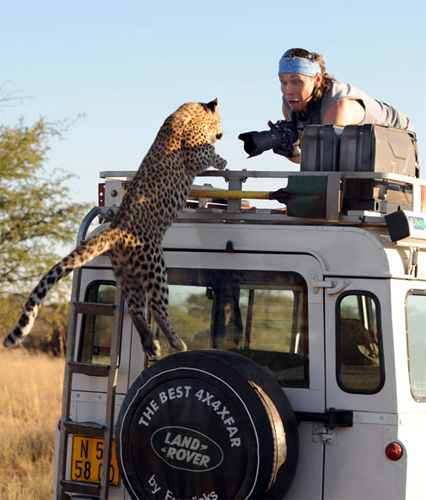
[36, 212]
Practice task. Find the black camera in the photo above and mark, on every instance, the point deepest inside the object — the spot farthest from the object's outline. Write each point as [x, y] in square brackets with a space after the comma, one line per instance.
[283, 139]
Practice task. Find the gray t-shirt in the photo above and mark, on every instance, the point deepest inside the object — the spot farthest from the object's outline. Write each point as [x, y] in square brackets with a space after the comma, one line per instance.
[376, 112]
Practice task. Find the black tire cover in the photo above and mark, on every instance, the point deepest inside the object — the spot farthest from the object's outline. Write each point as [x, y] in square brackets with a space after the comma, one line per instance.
[206, 425]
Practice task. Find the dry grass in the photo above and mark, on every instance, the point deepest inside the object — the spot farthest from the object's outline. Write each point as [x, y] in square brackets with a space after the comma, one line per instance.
[30, 405]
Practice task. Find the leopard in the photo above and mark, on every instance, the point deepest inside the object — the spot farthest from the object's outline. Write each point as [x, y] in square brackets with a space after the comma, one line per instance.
[182, 149]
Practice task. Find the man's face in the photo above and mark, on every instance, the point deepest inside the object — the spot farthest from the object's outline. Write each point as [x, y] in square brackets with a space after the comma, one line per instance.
[297, 89]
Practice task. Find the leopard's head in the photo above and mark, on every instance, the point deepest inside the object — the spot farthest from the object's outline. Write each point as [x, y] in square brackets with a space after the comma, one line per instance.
[200, 123]
[214, 130]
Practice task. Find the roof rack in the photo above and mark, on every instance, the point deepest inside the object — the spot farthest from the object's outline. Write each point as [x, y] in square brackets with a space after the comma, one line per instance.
[308, 197]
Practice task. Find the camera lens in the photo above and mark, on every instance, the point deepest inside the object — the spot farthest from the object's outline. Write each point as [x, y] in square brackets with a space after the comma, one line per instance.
[256, 143]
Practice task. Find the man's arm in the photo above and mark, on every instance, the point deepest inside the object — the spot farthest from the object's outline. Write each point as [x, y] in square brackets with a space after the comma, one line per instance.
[344, 112]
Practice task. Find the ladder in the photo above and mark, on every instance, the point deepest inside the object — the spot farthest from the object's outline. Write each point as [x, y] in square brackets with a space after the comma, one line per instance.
[79, 489]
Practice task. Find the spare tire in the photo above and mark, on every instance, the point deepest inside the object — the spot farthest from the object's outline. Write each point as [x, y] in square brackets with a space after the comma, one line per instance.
[206, 425]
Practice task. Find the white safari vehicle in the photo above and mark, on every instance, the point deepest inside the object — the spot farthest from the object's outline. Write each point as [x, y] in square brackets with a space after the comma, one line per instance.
[305, 375]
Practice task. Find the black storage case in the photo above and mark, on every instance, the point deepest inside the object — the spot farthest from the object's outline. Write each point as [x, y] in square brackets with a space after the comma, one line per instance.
[320, 148]
[362, 148]
[374, 148]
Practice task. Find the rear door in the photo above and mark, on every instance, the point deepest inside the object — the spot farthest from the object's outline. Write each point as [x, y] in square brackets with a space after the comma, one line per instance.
[266, 307]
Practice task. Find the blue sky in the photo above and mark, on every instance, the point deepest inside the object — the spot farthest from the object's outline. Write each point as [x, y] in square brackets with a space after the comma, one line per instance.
[127, 64]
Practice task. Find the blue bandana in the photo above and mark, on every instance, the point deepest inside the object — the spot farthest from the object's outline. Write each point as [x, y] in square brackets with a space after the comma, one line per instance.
[299, 65]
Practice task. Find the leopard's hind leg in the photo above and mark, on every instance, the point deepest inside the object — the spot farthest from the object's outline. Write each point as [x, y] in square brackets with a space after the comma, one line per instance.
[155, 282]
[135, 297]
[143, 274]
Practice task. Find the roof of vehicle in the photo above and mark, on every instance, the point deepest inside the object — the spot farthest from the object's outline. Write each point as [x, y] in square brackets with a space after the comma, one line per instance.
[355, 242]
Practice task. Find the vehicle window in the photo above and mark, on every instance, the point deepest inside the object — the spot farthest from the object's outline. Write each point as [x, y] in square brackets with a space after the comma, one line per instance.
[416, 321]
[261, 315]
[359, 347]
[96, 333]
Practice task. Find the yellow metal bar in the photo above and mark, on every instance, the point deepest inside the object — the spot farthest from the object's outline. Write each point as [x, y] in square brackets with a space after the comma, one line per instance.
[230, 195]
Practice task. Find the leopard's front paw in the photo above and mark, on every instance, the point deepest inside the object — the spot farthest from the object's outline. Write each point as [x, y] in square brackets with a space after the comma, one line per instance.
[220, 163]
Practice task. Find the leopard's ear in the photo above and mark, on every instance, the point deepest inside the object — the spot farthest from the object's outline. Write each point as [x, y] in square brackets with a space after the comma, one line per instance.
[212, 105]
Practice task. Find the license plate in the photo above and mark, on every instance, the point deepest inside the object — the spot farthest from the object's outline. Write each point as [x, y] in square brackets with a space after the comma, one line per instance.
[86, 461]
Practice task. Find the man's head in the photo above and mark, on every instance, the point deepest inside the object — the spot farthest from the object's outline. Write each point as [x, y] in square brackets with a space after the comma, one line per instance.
[300, 73]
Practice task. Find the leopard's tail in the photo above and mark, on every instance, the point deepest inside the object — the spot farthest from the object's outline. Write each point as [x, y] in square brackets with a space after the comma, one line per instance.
[87, 251]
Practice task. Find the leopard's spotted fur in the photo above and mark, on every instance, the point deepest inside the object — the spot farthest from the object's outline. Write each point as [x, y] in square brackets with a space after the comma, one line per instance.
[182, 149]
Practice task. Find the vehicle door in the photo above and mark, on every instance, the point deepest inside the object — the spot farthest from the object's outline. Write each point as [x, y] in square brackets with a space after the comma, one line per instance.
[357, 314]
[267, 307]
